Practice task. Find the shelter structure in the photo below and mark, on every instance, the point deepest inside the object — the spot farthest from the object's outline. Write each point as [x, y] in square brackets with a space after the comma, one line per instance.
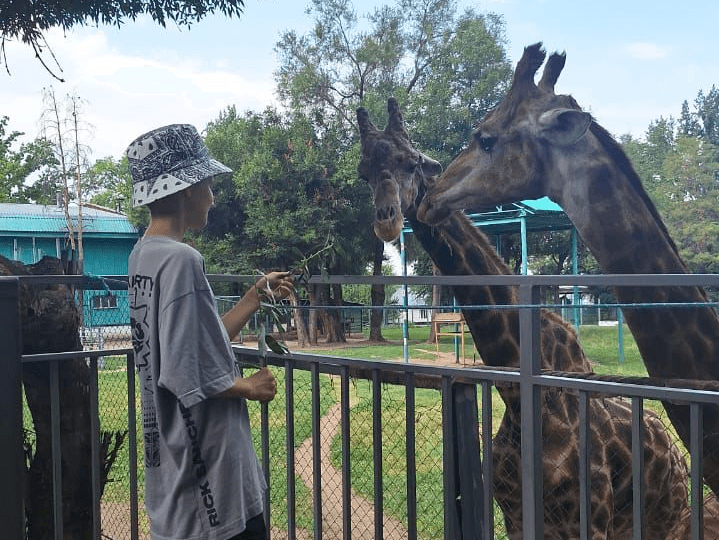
[521, 217]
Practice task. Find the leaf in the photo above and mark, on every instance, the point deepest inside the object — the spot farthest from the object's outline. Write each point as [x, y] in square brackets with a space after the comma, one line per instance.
[276, 346]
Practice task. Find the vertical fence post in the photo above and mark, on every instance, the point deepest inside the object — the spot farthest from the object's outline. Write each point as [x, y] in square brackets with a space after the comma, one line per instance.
[377, 454]
[12, 465]
[411, 449]
[132, 447]
[316, 456]
[529, 363]
[638, 488]
[697, 470]
[346, 466]
[452, 526]
[290, 436]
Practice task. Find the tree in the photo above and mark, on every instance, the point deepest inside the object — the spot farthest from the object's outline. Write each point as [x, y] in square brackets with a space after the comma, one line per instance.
[61, 127]
[294, 201]
[691, 174]
[28, 21]
[680, 172]
[50, 320]
[708, 111]
[688, 124]
[446, 70]
[18, 164]
[109, 184]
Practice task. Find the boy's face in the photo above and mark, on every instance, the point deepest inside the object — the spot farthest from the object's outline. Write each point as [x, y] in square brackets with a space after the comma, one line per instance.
[199, 203]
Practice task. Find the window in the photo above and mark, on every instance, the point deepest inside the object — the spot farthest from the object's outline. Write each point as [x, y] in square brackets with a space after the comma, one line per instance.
[105, 301]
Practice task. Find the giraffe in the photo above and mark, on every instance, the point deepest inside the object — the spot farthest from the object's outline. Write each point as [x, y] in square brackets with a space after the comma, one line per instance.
[536, 143]
[396, 173]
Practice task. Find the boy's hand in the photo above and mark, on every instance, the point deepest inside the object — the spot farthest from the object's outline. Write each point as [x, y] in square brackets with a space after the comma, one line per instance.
[276, 285]
[262, 385]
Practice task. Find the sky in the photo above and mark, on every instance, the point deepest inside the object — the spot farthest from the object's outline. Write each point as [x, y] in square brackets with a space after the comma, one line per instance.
[629, 63]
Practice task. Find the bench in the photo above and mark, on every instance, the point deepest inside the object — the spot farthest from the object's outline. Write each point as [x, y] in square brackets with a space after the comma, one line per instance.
[458, 330]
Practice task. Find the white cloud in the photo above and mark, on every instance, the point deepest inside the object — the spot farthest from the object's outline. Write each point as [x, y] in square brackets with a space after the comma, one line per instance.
[647, 51]
[127, 92]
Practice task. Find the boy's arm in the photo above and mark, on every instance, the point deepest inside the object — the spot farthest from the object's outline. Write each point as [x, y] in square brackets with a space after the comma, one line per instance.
[260, 386]
[236, 318]
[276, 284]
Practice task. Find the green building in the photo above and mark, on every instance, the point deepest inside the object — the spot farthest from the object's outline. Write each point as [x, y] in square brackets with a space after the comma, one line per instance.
[28, 232]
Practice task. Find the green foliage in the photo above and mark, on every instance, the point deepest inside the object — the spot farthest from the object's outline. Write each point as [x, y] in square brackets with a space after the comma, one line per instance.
[362, 294]
[446, 70]
[692, 210]
[468, 73]
[109, 183]
[680, 171]
[21, 160]
[708, 112]
[292, 192]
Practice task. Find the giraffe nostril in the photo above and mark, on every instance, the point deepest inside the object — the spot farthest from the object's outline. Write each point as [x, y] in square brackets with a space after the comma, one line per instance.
[387, 213]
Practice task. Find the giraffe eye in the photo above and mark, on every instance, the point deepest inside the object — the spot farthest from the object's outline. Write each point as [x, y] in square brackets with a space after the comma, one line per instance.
[486, 143]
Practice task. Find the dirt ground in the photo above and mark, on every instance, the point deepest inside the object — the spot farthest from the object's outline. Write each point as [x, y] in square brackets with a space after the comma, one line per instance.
[443, 359]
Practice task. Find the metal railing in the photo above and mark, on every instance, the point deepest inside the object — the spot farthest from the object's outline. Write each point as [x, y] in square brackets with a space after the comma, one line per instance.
[464, 520]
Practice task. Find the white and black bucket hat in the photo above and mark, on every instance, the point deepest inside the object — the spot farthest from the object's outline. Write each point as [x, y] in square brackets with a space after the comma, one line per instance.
[167, 160]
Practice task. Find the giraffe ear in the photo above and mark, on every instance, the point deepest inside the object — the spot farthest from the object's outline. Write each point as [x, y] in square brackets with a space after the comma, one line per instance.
[564, 126]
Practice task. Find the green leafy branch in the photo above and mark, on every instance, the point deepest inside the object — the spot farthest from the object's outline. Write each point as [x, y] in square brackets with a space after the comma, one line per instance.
[270, 305]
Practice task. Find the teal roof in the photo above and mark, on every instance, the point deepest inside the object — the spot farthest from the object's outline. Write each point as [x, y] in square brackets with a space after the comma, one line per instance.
[545, 204]
[538, 215]
[40, 220]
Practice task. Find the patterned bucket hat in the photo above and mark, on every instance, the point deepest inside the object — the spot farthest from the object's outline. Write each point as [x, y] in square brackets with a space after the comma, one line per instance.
[167, 160]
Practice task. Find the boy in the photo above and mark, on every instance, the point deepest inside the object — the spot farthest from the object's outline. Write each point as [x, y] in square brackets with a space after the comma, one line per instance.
[202, 478]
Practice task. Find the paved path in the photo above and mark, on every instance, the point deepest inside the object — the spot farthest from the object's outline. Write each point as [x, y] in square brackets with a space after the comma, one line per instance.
[362, 509]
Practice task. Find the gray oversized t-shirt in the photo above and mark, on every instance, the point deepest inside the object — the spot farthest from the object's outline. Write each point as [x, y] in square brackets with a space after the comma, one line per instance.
[202, 478]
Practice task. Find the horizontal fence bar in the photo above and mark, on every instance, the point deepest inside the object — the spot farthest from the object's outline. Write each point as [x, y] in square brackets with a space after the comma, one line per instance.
[74, 355]
[626, 386]
[484, 307]
[610, 280]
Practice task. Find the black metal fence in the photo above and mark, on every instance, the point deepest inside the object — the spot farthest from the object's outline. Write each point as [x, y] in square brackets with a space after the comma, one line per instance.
[353, 448]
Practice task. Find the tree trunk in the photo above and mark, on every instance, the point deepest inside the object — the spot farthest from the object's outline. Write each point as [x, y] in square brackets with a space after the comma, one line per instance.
[313, 329]
[377, 294]
[331, 319]
[50, 323]
[302, 336]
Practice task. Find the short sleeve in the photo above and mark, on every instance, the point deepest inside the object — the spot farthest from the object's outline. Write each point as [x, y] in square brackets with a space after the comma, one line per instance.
[196, 360]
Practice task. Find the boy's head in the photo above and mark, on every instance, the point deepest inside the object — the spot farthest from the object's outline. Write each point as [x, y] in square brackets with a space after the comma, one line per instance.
[168, 160]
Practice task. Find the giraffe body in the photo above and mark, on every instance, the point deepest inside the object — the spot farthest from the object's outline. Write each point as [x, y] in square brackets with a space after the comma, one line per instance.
[399, 176]
[536, 143]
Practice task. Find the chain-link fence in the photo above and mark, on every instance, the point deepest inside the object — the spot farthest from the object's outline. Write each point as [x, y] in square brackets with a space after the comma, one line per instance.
[335, 439]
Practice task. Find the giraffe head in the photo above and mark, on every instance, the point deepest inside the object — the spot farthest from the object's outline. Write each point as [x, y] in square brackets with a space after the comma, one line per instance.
[515, 145]
[394, 169]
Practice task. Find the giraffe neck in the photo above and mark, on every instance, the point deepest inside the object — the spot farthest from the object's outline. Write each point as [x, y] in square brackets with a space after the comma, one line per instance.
[456, 249]
[623, 230]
